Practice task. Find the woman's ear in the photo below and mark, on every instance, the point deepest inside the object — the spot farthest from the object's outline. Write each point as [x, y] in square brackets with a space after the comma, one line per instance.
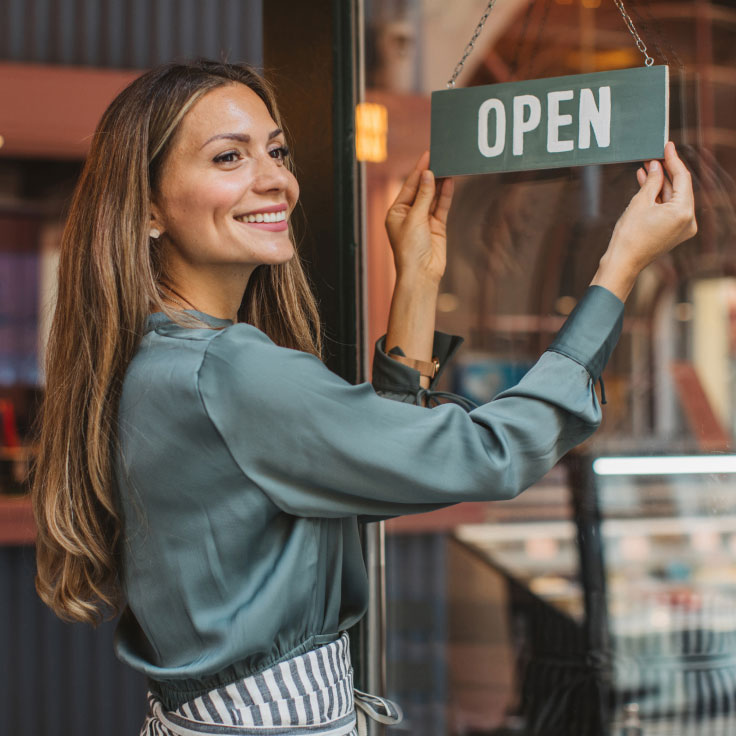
[157, 228]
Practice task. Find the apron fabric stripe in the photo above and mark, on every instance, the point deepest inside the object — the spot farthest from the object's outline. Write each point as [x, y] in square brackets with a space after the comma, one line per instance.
[308, 695]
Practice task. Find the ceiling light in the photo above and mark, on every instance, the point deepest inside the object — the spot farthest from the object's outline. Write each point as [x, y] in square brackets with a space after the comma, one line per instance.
[665, 465]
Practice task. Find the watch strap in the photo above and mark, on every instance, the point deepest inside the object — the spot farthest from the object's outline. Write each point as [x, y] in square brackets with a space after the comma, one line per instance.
[426, 368]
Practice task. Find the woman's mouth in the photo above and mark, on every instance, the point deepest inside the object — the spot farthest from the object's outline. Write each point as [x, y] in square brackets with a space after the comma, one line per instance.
[271, 221]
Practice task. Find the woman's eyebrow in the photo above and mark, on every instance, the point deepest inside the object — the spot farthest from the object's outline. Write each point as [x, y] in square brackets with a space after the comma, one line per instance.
[242, 137]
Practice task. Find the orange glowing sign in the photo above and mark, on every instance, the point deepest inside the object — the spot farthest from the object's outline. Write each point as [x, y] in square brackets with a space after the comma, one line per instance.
[371, 129]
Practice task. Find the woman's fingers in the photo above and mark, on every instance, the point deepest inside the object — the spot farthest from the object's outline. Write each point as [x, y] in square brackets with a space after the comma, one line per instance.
[665, 194]
[667, 190]
[424, 196]
[652, 186]
[443, 200]
[408, 191]
[680, 176]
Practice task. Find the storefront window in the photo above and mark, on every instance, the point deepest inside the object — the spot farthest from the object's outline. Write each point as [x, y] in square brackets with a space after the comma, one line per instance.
[595, 602]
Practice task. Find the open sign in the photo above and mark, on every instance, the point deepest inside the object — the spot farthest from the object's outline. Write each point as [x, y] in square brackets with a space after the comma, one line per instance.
[546, 123]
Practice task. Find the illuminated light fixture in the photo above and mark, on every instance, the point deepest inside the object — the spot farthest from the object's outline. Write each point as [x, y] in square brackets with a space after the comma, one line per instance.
[666, 465]
[2, 141]
[611, 59]
[371, 129]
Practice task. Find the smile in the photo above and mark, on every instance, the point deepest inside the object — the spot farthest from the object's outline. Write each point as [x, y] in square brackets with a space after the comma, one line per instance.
[263, 217]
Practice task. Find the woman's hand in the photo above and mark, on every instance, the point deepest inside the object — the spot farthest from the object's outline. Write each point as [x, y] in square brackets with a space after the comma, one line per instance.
[417, 225]
[660, 215]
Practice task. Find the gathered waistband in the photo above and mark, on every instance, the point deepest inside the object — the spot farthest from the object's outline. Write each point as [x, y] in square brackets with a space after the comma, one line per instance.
[309, 694]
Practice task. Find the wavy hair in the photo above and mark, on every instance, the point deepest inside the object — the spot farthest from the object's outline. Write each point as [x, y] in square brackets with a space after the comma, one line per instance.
[109, 281]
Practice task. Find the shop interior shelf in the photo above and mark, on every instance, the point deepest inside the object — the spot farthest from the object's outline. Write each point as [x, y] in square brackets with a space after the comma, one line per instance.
[16, 520]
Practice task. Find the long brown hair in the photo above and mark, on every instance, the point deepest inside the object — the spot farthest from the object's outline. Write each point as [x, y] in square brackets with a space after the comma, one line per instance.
[109, 275]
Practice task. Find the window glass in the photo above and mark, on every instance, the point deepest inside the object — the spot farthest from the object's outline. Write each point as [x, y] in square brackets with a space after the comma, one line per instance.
[595, 602]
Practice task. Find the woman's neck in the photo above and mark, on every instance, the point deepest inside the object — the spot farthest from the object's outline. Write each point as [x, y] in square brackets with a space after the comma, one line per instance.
[218, 293]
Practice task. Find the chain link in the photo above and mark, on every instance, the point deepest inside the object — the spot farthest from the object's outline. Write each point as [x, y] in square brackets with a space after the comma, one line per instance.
[648, 60]
[655, 34]
[471, 44]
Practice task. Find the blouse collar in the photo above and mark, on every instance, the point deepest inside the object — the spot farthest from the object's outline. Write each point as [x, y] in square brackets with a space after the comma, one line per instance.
[157, 319]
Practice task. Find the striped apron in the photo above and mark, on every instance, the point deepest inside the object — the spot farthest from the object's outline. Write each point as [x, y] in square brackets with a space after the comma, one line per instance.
[311, 694]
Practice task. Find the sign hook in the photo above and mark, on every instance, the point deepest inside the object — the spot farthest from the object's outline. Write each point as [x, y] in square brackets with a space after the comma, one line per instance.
[648, 60]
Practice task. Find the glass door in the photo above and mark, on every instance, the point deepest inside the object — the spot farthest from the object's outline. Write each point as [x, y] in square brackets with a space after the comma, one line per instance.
[510, 618]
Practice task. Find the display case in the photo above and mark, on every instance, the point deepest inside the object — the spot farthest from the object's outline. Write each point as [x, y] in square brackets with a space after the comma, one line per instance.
[628, 606]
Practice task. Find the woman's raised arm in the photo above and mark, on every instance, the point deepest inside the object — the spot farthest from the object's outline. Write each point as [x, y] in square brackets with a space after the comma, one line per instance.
[417, 229]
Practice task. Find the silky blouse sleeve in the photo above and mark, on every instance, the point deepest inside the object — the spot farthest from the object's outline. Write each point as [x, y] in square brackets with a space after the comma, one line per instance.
[318, 446]
[399, 382]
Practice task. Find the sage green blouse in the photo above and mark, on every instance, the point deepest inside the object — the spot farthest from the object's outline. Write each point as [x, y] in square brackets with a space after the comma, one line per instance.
[243, 467]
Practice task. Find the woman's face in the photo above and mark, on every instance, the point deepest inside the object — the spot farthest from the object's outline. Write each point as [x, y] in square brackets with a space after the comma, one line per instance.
[224, 195]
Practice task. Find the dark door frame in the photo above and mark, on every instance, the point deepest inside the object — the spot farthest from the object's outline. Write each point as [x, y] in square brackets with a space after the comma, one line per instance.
[312, 54]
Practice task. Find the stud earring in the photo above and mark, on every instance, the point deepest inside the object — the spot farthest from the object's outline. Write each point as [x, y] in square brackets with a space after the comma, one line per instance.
[155, 233]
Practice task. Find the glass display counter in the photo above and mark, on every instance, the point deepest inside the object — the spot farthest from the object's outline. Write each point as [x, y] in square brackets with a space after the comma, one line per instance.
[629, 606]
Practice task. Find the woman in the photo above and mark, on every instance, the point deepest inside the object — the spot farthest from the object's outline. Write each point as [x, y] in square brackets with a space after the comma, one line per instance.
[200, 468]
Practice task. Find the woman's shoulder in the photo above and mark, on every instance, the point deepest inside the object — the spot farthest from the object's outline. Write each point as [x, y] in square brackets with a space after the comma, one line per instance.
[205, 360]
[248, 350]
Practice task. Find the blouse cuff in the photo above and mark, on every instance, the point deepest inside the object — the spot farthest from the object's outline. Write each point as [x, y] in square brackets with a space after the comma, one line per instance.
[390, 376]
[591, 332]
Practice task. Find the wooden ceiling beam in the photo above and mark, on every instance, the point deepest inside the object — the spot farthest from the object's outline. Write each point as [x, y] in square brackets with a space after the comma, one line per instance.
[52, 111]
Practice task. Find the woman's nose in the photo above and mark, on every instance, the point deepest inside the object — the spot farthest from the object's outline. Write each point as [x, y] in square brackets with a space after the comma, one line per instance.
[272, 173]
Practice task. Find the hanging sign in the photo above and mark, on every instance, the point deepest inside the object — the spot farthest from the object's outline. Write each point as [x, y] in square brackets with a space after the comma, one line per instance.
[599, 118]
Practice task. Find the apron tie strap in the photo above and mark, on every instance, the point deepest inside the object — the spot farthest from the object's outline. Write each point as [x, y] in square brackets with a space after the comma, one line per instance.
[381, 710]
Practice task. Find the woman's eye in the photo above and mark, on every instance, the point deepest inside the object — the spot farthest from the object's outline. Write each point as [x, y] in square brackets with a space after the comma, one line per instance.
[279, 153]
[226, 158]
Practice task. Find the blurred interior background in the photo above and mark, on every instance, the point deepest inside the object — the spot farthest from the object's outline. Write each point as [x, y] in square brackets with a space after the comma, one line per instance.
[602, 599]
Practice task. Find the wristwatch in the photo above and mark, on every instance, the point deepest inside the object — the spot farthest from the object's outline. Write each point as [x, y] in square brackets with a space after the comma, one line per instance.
[426, 368]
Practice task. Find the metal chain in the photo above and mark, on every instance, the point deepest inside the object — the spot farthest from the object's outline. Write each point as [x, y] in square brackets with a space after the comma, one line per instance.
[648, 60]
[471, 44]
[655, 33]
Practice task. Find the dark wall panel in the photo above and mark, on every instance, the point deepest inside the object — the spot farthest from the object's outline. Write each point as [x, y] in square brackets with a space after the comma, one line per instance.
[129, 34]
[58, 679]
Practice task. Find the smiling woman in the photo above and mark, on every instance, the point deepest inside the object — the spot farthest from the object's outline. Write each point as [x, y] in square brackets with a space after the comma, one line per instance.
[221, 201]
[202, 471]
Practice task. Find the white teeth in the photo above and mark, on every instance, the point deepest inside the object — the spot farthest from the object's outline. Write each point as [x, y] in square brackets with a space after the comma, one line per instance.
[264, 217]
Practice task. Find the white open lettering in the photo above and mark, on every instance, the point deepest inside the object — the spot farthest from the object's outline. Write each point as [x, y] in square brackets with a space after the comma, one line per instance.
[521, 126]
[500, 142]
[597, 117]
[527, 115]
[556, 120]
